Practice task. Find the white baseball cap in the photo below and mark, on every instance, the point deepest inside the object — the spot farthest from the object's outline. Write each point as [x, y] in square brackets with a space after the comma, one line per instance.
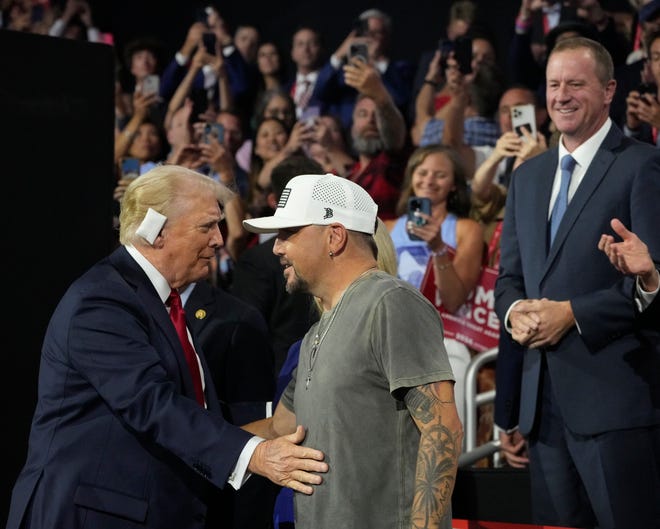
[319, 199]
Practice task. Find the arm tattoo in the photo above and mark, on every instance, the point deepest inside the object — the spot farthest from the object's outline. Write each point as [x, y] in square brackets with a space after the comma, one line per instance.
[437, 458]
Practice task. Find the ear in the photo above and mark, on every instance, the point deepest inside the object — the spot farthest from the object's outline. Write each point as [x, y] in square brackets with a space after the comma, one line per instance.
[272, 202]
[159, 241]
[337, 238]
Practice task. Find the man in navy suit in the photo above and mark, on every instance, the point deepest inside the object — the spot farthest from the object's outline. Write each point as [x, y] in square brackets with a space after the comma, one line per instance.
[119, 438]
[590, 379]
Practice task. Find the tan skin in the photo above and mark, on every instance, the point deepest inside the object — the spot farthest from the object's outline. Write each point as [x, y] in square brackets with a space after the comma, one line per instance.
[375, 115]
[645, 108]
[268, 62]
[304, 253]
[328, 147]
[630, 256]
[578, 103]
[509, 144]
[305, 50]
[182, 253]
[433, 178]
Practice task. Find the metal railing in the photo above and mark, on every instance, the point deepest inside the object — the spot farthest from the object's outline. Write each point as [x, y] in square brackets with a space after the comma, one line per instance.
[473, 400]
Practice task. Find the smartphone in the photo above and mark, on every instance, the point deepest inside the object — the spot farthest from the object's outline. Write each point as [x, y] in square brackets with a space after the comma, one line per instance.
[209, 40]
[523, 116]
[359, 50]
[130, 168]
[648, 88]
[463, 54]
[445, 47]
[310, 114]
[415, 204]
[151, 85]
[361, 27]
[214, 130]
[202, 14]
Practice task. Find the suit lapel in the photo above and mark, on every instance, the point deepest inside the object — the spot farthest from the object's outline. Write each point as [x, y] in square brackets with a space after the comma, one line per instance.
[539, 215]
[145, 291]
[593, 177]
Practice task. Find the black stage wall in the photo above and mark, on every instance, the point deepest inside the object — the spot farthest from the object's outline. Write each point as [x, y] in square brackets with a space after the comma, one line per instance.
[56, 125]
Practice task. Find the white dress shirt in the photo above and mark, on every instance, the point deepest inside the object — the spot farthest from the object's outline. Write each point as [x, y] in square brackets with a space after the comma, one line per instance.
[239, 474]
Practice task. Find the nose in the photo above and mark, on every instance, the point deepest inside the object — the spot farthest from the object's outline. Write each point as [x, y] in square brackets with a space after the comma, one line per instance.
[562, 92]
[217, 240]
[277, 247]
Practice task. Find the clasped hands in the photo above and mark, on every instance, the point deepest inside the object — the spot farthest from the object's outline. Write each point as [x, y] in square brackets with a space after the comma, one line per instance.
[539, 323]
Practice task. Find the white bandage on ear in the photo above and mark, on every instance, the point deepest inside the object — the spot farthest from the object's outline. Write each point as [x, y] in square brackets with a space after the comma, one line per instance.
[151, 225]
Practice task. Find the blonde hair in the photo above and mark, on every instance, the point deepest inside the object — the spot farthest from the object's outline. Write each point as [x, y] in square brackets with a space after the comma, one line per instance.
[165, 189]
[602, 58]
[386, 250]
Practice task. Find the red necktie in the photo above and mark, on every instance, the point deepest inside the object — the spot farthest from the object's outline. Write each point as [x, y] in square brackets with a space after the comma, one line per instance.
[305, 94]
[178, 317]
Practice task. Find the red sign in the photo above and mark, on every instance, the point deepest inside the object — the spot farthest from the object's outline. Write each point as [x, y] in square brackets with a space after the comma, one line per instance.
[475, 324]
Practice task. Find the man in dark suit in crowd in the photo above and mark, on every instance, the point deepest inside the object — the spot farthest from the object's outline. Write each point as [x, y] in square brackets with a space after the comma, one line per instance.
[590, 390]
[234, 338]
[122, 435]
[258, 277]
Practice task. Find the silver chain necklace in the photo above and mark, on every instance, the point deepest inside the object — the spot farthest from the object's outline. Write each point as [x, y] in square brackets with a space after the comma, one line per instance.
[320, 336]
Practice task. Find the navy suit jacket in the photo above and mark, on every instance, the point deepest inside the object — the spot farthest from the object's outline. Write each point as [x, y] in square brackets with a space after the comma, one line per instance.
[236, 344]
[117, 439]
[605, 376]
[259, 281]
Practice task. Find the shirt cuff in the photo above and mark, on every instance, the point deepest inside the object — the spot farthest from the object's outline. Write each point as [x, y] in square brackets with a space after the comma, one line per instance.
[240, 474]
[335, 62]
[507, 325]
[643, 298]
[210, 78]
[180, 58]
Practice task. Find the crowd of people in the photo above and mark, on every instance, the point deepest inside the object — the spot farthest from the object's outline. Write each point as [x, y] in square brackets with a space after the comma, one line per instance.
[267, 200]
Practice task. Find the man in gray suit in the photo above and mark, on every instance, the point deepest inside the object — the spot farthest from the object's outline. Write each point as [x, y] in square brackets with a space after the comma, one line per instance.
[590, 382]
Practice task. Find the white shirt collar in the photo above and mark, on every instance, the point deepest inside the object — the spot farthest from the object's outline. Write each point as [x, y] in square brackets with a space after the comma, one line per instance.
[382, 65]
[310, 77]
[585, 153]
[157, 279]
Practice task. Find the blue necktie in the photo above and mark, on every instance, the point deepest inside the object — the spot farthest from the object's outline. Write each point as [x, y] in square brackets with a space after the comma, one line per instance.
[558, 210]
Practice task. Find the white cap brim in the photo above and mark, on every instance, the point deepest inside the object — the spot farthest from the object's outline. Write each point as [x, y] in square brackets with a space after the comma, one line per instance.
[273, 224]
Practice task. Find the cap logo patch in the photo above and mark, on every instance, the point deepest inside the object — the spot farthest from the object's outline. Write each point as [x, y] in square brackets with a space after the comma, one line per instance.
[328, 213]
[284, 197]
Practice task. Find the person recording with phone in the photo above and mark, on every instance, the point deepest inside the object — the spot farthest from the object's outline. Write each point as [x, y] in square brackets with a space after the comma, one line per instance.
[470, 79]
[378, 135]
[642, 105]
[371, 39]
[212, 31]
[442, 235]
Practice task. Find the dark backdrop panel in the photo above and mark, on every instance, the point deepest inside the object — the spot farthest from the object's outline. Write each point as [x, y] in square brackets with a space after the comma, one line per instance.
[56, 125]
